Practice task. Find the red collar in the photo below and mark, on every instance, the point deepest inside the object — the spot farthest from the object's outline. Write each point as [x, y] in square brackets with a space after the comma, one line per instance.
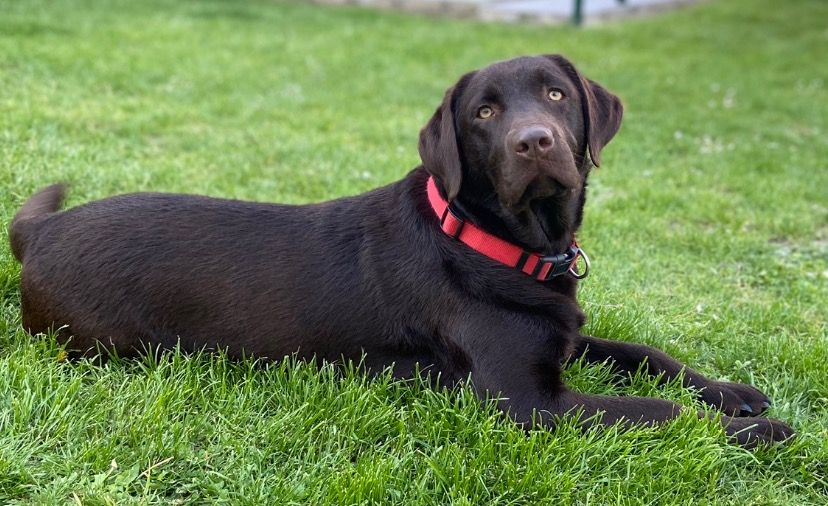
[540, 267]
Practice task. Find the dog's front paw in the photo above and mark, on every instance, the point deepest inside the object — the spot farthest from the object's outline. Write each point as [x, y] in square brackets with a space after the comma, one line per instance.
[735, 399]
[752, 432]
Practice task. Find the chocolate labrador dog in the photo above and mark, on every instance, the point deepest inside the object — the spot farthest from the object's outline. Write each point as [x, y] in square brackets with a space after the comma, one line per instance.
[467, 267]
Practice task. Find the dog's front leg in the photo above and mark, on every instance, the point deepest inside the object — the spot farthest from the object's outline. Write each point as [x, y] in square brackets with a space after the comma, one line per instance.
[734, 399]
[748, 432]
[515, 359]
[535, 405]
[524, 376]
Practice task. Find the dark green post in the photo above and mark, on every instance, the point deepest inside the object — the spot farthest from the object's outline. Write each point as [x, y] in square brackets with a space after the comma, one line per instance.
[578, 14]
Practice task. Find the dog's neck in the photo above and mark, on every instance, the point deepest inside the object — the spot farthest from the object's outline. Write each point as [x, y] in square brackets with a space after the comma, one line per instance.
[546, 226]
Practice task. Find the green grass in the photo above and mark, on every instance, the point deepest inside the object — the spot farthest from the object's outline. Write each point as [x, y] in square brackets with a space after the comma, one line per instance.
[707, 225]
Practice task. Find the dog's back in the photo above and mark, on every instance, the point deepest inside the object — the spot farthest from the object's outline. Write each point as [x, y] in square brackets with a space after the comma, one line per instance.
[258, 279]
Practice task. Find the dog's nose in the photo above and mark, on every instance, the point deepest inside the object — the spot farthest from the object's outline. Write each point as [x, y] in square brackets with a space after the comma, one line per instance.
[533, 141]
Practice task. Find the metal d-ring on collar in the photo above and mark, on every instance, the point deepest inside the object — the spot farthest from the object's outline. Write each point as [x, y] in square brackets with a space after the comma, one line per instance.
[566, 263]
[573, 267]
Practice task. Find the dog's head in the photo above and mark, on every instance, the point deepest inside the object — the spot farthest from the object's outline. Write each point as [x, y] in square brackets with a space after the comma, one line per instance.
[515, 142]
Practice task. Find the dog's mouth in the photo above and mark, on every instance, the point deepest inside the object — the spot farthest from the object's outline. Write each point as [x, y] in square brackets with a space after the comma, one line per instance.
[549, 188]
[523, 180]
[560, 172]
[544, 211]
[542, 188]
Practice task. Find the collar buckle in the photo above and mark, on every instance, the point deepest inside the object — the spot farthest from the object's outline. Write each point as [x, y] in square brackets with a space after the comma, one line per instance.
[564, 263]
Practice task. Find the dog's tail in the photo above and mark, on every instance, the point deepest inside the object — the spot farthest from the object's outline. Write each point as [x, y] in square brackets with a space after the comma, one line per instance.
[46, 201]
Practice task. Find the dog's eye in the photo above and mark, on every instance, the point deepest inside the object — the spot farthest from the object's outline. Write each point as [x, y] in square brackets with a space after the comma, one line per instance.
[485, 112]
[555, 95]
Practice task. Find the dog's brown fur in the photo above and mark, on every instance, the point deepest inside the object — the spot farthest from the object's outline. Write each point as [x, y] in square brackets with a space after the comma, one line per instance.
[374, 274]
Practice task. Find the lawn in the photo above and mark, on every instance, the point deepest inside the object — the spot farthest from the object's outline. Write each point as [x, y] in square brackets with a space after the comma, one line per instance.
[707, 225]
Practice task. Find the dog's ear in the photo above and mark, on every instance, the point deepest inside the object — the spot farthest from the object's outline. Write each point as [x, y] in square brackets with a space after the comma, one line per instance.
[602, 110]
[439, 149]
